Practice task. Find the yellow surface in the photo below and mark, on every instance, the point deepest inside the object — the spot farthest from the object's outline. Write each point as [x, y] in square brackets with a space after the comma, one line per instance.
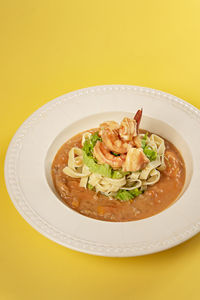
[49, 48]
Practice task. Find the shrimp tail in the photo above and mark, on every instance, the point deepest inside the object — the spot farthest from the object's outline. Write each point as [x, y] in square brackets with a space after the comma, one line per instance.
[138, 117]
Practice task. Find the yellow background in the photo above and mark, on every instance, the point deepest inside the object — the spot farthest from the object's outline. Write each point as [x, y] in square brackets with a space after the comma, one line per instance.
[49, 48]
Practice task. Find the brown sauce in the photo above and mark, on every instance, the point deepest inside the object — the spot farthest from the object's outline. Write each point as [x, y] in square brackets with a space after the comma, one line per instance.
[154, 200]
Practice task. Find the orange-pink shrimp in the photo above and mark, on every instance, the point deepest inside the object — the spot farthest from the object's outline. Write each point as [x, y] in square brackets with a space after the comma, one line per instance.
[138, 117]
[135, 160]
[137, 142]
[128, 129]
[112, 125]
[120, 138]
[113, 142]
[103, 156]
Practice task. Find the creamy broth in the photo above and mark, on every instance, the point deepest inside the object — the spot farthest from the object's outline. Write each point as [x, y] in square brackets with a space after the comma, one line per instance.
[154, 200]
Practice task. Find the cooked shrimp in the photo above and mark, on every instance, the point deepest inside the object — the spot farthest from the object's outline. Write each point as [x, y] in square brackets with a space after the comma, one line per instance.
[135, 160]
[128, 129]
[103, 156]
[137, 118]
[137, 142]
[120, 139]
[113, 142]
[109, 124]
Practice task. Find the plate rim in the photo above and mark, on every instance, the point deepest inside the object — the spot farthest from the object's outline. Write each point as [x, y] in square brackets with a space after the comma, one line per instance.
[100, 250]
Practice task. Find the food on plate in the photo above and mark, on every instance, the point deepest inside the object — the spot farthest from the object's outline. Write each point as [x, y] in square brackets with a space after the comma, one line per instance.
[118, 172]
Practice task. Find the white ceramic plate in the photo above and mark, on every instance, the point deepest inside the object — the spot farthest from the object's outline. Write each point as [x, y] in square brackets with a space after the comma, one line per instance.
[32, 149]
